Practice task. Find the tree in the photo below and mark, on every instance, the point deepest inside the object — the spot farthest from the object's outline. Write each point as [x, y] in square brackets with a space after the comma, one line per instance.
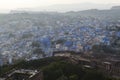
[62, 78]
[94, 75]
[74, 77]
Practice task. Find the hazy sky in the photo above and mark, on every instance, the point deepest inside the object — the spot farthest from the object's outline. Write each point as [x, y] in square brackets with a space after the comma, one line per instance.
[14, 4]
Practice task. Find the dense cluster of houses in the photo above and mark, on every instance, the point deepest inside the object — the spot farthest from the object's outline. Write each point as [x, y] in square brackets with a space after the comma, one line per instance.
[73, 34]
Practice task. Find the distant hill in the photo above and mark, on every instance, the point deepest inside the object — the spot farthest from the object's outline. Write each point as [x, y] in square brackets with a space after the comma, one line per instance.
[115, 7]
[71, 7]
[96, 10]
[112, 14]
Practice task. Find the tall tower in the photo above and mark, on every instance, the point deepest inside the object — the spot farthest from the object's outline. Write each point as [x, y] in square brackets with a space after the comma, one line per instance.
[10, 59]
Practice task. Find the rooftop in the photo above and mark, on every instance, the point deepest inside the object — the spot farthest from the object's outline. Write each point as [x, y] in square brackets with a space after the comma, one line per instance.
[23, 74]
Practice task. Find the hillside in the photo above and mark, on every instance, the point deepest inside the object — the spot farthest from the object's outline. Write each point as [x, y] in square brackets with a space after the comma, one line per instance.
[58, 68]
[110, 14]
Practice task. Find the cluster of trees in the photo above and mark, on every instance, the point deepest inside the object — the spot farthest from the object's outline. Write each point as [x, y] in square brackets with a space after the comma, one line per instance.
[68, 71]
[33, 64]
[57, 68]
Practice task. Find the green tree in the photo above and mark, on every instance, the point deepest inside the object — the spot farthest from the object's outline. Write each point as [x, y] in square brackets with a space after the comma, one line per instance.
[74, 77]
[62, 78]
[94, 75]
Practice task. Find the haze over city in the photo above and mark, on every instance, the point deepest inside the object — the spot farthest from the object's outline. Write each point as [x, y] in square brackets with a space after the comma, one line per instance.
[49, 5]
